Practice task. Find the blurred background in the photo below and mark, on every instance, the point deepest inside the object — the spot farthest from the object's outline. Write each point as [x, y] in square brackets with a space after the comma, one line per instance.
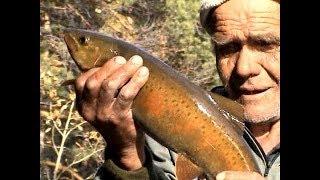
[169, 29]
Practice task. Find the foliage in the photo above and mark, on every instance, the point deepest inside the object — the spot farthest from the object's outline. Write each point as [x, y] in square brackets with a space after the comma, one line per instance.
[190, 45]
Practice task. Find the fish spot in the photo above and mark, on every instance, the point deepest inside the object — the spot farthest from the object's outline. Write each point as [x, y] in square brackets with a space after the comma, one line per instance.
[115, 52]
[234, 163]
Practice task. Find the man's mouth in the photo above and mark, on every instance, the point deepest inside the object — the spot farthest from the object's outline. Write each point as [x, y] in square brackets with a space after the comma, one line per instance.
[251, 92]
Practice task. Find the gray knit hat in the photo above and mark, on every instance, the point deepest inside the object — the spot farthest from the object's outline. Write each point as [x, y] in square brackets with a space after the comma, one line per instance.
[206, 7]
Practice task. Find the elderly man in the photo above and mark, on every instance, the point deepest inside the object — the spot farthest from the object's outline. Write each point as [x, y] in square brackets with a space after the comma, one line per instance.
[246, 37]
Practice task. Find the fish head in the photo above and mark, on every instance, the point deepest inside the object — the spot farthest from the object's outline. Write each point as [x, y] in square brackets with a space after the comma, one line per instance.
[88, 49]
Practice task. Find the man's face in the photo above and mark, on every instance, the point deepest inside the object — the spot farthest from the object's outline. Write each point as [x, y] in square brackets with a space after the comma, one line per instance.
[247, 45]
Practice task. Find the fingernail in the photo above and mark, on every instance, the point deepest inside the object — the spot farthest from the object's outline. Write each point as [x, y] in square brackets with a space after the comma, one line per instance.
[119, 60]
[137, 60]
[221, 176]
[143, 71]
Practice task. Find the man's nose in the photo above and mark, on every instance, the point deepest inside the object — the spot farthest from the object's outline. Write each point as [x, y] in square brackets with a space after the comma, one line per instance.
[247, 64]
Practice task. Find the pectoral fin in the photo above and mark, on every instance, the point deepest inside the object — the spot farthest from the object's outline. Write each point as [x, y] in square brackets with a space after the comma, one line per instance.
[186, 170]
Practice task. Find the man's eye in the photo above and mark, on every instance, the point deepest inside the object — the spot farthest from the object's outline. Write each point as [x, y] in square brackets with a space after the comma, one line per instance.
[265, 46]
[228, 49]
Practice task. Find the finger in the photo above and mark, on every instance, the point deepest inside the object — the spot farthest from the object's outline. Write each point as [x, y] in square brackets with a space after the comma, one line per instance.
[110, 86]
[124, 73]
[90, 85]
[81, 80]
[93, 83]
[108, 92]
[238, 175]
[130, 90]
[111, 66]
[87, 111]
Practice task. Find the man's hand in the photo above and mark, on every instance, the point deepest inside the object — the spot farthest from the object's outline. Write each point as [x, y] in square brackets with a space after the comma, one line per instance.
[104, 98]
[239, 175]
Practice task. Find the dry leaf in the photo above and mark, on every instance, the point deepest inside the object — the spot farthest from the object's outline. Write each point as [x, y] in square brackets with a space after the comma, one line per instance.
[47, 130]
[130, 20]
[55, 113]
[58, 122]
[48, 122]
[56, 63]
[64, 107]
[49, 73]
[47, 81]
[53, 93]
[59, 102]
[97, 10]
[44, 113]
[72, 96]
[78, 144]
[94, 135]
[55, 78]
[80, 128]
[42, 75]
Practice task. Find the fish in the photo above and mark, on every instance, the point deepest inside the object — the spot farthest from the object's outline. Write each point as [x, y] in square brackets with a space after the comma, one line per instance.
[202, 127]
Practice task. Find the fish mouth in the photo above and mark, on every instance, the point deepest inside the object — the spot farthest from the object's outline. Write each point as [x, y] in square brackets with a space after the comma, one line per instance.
[71, 42]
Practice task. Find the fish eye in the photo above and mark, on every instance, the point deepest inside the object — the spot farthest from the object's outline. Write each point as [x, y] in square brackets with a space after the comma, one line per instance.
[83, 40]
